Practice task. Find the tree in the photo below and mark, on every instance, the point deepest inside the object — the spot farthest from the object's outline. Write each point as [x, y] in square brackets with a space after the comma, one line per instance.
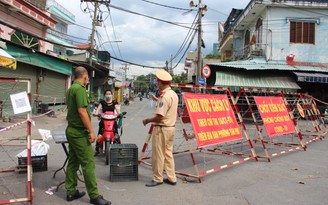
[182, 78]
[213, 56]
[144, 83]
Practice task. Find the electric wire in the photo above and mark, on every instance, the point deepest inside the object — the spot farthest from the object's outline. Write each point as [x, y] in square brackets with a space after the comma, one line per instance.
[119, 50]
[171, 7]
[109, 40]
[189, 34]
[143, 15]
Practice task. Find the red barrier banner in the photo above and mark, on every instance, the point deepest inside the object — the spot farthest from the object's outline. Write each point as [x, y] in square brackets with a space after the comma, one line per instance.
[275, 115]
[212, 118]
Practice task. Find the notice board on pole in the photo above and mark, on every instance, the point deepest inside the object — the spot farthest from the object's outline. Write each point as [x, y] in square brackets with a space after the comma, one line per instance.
[275, 115]
[212, 118]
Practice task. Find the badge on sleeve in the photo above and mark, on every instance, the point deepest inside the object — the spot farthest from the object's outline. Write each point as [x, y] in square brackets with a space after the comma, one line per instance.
[161, 104]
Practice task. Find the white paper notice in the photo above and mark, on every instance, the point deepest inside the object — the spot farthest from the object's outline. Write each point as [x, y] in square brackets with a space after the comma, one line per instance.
[20, 102]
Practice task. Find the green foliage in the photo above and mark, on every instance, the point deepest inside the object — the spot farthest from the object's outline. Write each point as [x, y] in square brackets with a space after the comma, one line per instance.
[213, 56]
[227, 60]
[144, 83]
[182, 78]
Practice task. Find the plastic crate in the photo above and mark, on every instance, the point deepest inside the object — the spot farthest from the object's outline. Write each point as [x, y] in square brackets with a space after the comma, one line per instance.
[39, 163]
[123, 162]
[123, 154]
[121, 172]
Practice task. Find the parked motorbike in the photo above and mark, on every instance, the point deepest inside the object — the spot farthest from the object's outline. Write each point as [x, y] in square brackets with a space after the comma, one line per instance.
[112, 126]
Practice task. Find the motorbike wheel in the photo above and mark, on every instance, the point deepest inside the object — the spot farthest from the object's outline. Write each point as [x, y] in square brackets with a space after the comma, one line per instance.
[107, 144]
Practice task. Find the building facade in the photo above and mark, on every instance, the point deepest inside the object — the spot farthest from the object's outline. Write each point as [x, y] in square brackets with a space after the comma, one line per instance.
[23, 28]
[282, 40]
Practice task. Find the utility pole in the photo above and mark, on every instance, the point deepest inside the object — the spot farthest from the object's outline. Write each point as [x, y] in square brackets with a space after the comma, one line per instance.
[166, 65]
[199, 43]
[125, 68]
[92, 38]
[171, 66]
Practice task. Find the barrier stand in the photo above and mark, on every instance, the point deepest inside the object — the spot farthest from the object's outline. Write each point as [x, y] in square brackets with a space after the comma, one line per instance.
[209, 151]
[28, 145]
[287, 125]
[306, 109]
[320, 115]
[242, 90]
[314, 114]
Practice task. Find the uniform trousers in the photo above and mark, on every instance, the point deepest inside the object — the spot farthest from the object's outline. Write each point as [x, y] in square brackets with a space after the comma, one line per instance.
[162, 153]
[80, 153]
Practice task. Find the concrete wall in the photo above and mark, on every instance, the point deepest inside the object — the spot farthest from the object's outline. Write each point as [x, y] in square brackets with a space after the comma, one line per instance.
[280, 27]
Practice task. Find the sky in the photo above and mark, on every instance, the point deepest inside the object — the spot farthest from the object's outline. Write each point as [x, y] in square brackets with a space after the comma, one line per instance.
[146, 41]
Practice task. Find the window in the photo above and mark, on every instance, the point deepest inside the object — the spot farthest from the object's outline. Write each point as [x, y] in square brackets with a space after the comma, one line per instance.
[302, 32]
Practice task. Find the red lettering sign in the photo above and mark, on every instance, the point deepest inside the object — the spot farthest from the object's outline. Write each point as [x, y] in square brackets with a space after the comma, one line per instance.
[274, 115]
[212, 118]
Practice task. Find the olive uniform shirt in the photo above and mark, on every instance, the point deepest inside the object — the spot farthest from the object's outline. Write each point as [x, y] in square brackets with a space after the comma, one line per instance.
[76, 98]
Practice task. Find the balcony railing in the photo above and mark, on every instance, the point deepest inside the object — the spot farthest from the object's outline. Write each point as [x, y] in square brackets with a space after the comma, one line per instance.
[60, 8]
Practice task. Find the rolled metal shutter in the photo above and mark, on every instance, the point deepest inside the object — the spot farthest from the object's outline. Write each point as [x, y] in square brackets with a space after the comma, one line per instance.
[53, 88]
[22, 71]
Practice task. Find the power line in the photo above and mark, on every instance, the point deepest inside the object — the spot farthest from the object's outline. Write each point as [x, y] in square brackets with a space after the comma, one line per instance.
[186, 38]
[139, 14]
[171, 7]
[136, 64]
[109, 40]
[111, 20]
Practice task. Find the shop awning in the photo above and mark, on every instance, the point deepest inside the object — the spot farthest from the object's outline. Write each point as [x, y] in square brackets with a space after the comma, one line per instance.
[311, 77]
[58, 40]
[236, 80]
[6, 60]
[39, 59]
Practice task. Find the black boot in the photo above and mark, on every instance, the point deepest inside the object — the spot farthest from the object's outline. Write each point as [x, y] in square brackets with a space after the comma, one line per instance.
[100, 201]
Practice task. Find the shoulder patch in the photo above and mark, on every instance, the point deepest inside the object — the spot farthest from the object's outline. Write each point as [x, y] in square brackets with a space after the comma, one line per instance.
[161, 104]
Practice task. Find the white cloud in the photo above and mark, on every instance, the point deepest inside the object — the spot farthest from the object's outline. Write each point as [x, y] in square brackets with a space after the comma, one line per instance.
[147, 41]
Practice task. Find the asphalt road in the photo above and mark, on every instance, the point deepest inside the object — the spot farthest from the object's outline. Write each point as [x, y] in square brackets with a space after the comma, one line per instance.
[299, 177]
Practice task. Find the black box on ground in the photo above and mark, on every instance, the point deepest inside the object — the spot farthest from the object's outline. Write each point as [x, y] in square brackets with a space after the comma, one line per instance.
[39, 163]
[123, 162]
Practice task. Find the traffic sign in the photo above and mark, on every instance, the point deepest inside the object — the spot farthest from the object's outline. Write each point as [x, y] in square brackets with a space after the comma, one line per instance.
[201, 81]
[206, 71]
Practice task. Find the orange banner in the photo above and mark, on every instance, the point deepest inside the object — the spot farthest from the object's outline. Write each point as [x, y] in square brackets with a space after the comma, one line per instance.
[212, 118]
[275, 115]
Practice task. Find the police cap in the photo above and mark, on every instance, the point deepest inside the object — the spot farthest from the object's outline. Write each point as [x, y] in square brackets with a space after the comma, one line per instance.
[163, 76]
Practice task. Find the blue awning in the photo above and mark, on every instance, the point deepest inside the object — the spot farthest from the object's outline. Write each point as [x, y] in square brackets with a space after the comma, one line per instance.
[311, 77]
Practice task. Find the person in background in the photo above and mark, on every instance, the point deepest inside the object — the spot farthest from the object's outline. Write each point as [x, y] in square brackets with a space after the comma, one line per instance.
[80, 135]
[105, 105]
[163, 137]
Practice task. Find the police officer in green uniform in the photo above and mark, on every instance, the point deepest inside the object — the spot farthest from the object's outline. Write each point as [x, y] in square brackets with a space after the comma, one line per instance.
[80, 135]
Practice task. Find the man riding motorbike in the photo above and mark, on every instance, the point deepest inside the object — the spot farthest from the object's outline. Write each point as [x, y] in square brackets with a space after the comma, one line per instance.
[106, 105]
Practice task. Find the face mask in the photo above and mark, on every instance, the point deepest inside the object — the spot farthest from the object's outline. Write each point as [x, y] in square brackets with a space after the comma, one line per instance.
[108, 97]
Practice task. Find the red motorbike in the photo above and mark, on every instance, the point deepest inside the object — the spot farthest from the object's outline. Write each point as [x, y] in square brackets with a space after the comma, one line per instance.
[112, 124]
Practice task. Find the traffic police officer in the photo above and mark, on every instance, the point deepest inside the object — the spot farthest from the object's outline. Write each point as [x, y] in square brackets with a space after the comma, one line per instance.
[80, 135]
[163, 137]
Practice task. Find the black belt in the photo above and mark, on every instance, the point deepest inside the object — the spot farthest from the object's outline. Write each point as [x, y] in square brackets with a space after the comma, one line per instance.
[163, 126]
